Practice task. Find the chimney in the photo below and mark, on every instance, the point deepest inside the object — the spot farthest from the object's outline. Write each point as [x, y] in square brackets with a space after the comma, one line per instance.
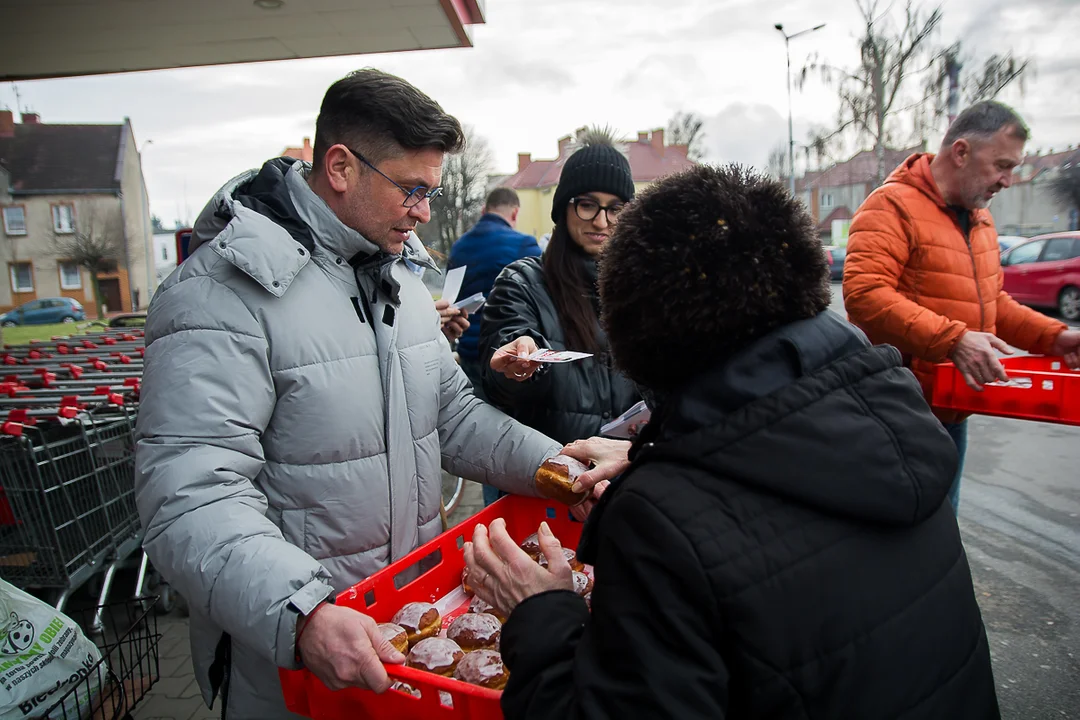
[658, 140]
[564, 144]
[7, 123]
[524, 160]
[306, 153]
[643, 137]
[31, 119]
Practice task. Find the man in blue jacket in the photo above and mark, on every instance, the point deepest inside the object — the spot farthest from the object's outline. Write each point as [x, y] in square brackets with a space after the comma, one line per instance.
[491, 245]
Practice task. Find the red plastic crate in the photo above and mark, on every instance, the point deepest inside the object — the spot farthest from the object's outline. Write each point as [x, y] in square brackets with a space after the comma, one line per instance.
[379, 597]
[1040, 388]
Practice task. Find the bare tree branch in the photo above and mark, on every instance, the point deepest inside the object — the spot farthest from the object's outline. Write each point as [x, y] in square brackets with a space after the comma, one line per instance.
[96, 243]
[464, 183]
[685, 129]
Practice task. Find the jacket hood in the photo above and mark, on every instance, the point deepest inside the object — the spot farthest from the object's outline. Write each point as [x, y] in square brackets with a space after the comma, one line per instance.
[263, 191]
[915, 172]
[814, 414]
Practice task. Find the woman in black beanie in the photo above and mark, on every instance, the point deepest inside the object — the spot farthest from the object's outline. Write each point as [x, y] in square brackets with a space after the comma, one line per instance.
[779, 546]
[552, 302]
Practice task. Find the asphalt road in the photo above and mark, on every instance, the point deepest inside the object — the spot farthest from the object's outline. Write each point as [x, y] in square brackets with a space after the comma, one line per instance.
[1020, 519]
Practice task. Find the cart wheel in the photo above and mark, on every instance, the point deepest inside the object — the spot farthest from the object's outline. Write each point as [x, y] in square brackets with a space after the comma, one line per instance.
[156, 585]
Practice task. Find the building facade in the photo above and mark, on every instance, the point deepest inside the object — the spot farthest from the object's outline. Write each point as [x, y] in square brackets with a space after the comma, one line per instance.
[68, 188]
[535, 180]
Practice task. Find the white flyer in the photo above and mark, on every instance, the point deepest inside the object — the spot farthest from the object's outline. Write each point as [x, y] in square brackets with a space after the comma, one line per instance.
[557, 356]
[471, 304]
[452, 286]
[638, 415]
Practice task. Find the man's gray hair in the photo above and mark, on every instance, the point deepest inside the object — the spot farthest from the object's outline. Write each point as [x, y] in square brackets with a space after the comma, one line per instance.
[983, 120]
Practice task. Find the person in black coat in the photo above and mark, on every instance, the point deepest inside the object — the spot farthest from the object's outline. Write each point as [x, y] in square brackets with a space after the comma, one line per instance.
[779, 546]
[552, 302]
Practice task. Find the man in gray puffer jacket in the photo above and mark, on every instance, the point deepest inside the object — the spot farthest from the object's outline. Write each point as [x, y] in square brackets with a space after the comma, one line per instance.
[299, 400]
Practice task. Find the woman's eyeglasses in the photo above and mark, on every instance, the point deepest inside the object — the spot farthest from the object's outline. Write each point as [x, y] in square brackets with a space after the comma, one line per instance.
[587, 209]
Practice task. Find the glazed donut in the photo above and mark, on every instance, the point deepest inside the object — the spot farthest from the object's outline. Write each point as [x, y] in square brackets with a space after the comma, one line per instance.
[396, 636]
[473, 631]
[484, 668]
[556, 476]
[420, 620]
[571, 557]
[582, 584]
[531, 546]
[477, 605]
[436, 655]
[405, 688]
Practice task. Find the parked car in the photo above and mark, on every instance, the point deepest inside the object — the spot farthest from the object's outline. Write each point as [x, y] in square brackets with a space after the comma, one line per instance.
[1045, 272]
[835, 255]
[1007, 241]
[44, 312]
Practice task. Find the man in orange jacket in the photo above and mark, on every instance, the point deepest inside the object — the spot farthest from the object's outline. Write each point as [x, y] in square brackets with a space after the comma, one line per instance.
[923, 269]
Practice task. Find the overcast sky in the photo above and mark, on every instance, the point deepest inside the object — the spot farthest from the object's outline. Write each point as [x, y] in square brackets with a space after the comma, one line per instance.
[541, 68]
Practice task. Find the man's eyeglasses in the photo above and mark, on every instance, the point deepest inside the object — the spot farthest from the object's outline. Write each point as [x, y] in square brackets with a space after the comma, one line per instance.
[412, 197]
[587, 209]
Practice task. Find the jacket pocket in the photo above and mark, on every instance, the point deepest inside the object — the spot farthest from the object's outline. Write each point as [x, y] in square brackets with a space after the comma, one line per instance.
[294, 523]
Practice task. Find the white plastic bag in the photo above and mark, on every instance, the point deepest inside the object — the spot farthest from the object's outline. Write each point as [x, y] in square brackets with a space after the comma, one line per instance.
[43, 654]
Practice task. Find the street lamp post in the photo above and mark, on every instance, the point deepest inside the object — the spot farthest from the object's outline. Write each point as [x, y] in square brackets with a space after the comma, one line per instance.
[790, 121]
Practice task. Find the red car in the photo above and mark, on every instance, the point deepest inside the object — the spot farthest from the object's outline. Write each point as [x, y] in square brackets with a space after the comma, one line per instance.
[1045, 272]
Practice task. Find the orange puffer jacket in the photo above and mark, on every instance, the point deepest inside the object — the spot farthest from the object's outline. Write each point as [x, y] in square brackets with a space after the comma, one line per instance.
[912, 280]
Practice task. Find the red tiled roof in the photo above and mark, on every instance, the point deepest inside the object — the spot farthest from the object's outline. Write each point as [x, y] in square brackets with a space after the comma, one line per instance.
[1034, 165]
[62, 157]
[839, 213]
[304, 153]
[862, 168]
[647, 163]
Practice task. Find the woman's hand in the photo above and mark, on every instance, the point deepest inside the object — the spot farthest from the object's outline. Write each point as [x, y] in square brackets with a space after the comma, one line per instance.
[607, 457]
[503, 575]
[508, 359]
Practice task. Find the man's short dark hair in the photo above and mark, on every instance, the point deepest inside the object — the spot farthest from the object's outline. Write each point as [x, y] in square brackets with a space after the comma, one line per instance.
[502, 197]
[378, 114]
[700, 265]
[983, 120]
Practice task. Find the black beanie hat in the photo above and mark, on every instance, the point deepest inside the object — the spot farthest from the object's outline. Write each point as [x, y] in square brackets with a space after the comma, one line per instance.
[593, 168]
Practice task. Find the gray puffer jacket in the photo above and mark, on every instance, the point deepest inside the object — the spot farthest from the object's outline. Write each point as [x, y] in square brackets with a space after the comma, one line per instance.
[297, 404]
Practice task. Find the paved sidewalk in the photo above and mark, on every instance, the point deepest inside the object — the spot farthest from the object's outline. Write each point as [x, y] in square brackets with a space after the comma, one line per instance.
[176, 695]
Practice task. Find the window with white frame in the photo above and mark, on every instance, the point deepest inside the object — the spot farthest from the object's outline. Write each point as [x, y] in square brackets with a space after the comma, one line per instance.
[826, 199]
[70, 277]
[15, 220]
[22, 277]
[63, 218]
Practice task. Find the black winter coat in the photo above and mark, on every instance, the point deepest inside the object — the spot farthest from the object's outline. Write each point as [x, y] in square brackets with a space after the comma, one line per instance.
[566, 402]
[779, 548]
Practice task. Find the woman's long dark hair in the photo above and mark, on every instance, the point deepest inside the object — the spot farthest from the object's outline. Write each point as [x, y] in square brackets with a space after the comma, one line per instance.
[571, 289]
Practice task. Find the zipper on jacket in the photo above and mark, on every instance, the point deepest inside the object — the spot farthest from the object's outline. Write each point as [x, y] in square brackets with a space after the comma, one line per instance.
[386, 401]
[974, 270]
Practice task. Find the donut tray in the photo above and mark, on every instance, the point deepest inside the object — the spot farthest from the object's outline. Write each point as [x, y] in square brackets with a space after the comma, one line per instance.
[431, 573]
[1039, 388]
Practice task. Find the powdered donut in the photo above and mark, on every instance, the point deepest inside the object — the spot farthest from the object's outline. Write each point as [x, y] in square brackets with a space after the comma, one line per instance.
[473, 631]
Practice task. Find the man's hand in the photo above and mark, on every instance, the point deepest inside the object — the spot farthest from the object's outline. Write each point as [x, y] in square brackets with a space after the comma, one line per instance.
[507, 359]
[454, 322]
[974, 357]
[503, 575]
[344, 648]
[1067, 345]
[608, 458]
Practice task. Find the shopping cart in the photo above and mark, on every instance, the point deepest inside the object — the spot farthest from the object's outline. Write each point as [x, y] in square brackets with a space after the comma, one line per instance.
[67, 510]
[129, 665]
